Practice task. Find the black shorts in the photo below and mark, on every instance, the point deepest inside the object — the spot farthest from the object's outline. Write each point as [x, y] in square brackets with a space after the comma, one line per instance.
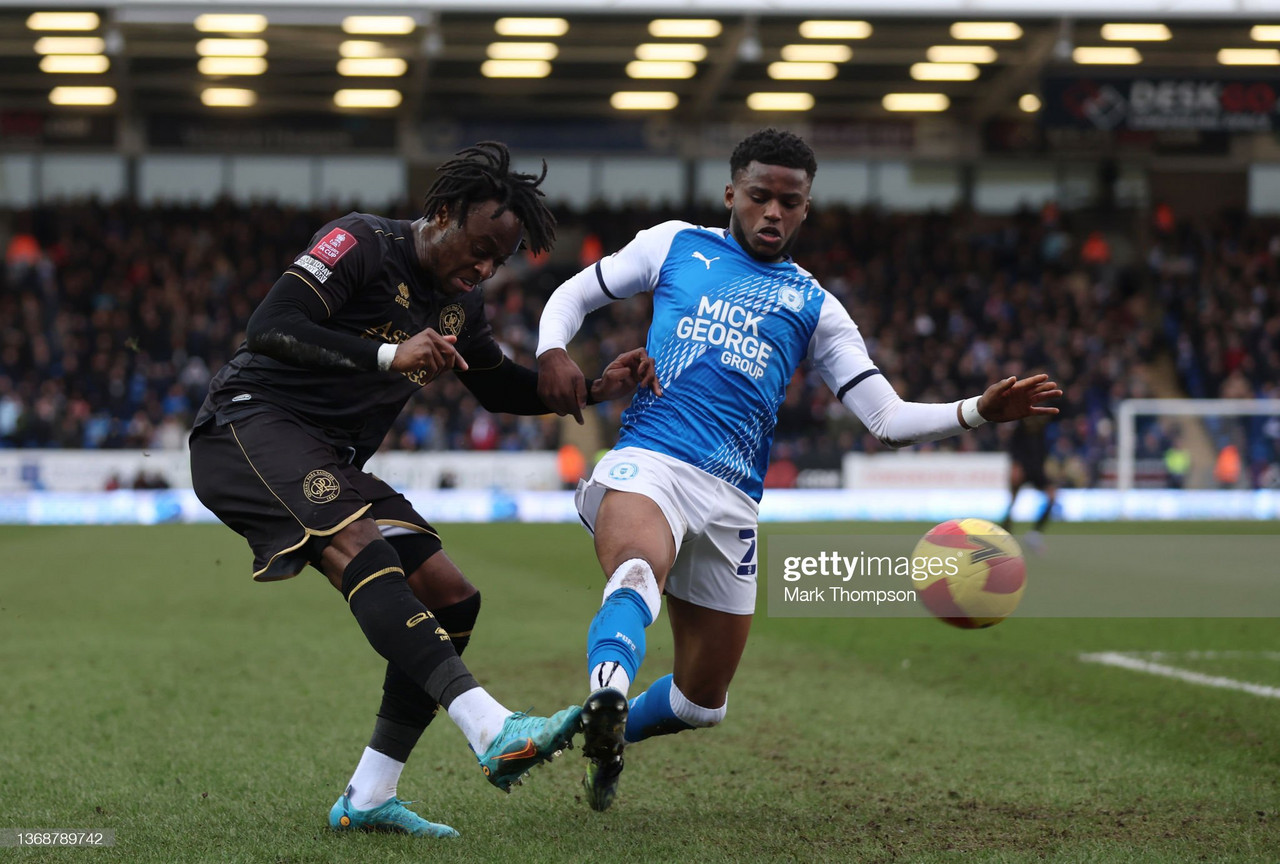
[285, 491]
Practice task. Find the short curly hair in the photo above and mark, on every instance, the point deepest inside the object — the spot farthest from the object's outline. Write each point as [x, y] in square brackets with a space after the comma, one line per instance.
[773, 147]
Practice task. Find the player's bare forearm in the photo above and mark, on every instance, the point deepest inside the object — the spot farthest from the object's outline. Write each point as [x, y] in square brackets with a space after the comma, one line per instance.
[1014, 398]
[561, 383]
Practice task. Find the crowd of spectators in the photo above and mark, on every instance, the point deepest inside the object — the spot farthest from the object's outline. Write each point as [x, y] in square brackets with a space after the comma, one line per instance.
[1216, 282]
[113, 317]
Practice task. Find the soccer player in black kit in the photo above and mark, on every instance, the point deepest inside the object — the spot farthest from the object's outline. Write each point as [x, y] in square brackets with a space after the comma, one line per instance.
[1028, 452]
[370, 312]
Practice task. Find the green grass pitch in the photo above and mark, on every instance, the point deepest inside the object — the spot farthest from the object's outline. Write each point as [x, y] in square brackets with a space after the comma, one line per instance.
[151, 688]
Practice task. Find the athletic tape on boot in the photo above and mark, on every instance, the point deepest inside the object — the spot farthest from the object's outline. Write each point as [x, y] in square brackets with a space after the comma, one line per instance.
[636, 574]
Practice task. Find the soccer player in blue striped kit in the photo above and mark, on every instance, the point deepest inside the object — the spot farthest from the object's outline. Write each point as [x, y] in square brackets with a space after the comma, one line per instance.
[673, 507]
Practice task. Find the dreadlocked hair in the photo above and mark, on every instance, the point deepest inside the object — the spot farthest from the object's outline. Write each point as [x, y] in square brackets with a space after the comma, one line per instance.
[483, 173]
[773, 147]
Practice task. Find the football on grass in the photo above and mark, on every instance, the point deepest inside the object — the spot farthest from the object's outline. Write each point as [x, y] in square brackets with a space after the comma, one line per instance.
[969, 572]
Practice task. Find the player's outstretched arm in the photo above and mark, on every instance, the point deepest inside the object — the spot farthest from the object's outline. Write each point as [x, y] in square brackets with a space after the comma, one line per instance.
[630, 271]
[1014, 398]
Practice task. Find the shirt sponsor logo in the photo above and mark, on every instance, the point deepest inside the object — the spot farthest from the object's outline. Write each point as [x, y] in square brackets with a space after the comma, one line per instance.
[733, 328]
[334, 245]
[314, 267]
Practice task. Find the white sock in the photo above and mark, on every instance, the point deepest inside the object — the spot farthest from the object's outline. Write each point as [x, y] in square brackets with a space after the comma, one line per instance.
[609, 674]
[375, 780]
[695, 715]
[479, 716]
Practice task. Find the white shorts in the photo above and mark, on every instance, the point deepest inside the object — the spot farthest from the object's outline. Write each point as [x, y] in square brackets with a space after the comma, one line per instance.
[713, 524]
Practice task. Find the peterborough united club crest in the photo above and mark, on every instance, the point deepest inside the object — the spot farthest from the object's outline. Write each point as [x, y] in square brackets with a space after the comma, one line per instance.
[624, 471]
[320, 487]
[452, 318]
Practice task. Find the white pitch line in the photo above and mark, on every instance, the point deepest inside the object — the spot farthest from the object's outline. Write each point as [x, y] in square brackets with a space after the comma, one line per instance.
[1209, 655]
[1112, 658]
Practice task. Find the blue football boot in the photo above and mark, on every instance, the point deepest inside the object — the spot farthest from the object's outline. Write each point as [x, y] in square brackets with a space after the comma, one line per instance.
[526, 742]
[392, 817]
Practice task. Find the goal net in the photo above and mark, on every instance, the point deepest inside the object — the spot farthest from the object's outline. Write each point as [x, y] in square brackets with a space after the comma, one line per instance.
[1198, 444]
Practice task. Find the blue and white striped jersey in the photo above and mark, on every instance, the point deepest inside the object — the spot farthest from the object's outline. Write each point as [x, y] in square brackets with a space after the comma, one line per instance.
[728, 332]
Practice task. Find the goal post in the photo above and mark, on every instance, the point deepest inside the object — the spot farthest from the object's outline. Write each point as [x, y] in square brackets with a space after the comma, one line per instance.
[1131, 409]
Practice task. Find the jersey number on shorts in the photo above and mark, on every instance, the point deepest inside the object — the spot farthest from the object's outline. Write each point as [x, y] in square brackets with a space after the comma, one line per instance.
[748, 565]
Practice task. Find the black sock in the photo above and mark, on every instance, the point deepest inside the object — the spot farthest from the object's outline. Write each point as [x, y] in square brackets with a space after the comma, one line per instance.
[406, 708]
[399, 627]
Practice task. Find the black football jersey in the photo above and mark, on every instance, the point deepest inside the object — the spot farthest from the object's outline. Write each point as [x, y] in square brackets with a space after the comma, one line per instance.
[365, 270]
[1028, 442]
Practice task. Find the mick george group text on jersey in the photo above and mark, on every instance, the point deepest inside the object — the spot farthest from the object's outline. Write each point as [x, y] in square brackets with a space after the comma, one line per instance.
[735, 328]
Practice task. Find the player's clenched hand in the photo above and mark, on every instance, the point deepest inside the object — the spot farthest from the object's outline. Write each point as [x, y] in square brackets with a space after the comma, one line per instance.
[428, 352]
[628, 371]
[561, 385]
[1013, 398]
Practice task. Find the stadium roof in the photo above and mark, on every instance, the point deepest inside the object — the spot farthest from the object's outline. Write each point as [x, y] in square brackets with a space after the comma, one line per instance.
[152, 55]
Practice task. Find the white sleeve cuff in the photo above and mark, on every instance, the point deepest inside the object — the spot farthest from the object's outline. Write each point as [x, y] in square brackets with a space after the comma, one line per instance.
[386, 353]
[969, 413]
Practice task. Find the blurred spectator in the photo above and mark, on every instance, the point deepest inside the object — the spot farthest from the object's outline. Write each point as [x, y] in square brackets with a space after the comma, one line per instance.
[1177, 462]
[1226, 470]
[1096, 250]
[571, 465]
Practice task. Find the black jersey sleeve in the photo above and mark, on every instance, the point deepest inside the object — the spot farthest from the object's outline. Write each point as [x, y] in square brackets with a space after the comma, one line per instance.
[287, 325]
[475, 341]
[500, 384]
[507, 388]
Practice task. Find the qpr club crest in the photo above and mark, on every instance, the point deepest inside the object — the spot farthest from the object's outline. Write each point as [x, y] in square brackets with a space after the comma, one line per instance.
[320, 487]
[452, 319]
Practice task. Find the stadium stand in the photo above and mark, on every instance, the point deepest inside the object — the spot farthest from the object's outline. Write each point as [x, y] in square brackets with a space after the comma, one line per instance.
[114, 314]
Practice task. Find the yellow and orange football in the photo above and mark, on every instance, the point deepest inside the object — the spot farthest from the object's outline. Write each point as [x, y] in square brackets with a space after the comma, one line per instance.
[969, 572]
